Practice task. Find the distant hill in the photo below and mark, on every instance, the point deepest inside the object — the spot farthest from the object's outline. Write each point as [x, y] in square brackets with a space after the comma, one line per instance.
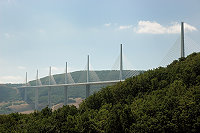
[9, 93]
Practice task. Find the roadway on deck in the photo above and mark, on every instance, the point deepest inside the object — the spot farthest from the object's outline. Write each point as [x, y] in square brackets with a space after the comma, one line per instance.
[74, 84]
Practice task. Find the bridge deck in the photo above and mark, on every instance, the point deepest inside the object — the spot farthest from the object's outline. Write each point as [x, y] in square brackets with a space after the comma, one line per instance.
[74, 84]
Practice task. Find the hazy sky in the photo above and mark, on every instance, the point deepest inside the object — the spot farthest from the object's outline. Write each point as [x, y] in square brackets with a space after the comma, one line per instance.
[36, 34]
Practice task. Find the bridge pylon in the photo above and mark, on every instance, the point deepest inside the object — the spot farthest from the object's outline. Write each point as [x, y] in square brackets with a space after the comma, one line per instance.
[88, 78]
[121, 64]
[182, 40]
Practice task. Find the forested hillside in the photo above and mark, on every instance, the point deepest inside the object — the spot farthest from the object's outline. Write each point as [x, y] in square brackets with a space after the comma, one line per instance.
[159, 100]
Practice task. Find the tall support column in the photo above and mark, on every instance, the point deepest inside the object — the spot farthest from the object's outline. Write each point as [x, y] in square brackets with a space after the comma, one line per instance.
[66, 73]
[65, 88]
[25, 89]
[88, 68]
[36, 92]
[49, 89]
[87, 91]
[65, 95]
[182, 40]
[121, 64]
[88, 78]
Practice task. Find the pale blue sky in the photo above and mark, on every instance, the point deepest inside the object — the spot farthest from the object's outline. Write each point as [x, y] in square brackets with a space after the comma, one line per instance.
[36, 34]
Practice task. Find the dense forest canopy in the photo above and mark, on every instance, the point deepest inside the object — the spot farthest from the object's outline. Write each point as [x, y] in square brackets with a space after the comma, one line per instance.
[159, 100]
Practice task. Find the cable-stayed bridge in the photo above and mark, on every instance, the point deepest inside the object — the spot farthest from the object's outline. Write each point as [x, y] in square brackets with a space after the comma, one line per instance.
[182, 47]
[91, 79]
[123, 74]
